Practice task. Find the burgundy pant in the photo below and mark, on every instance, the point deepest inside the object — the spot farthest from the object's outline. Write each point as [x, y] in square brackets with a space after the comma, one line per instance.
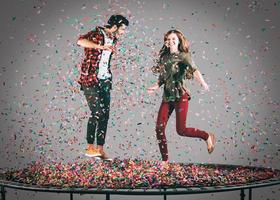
[181, 108]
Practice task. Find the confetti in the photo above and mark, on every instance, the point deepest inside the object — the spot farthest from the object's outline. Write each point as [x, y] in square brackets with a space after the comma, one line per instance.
[136, 173]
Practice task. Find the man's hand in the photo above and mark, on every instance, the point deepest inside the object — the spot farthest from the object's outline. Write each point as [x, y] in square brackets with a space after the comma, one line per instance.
[109, 48]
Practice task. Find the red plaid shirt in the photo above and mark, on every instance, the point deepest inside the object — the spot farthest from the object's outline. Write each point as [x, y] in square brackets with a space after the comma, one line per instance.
[90, 64]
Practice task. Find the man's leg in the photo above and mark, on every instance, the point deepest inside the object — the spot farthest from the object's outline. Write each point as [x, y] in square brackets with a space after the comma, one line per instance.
[105, 96]
[93, 100]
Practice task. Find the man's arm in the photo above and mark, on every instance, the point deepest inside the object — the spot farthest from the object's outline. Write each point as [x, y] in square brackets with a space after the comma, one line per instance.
[88, 44]
[89, 40]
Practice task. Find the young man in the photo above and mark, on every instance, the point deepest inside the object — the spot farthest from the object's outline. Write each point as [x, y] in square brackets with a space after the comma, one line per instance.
[96, 79]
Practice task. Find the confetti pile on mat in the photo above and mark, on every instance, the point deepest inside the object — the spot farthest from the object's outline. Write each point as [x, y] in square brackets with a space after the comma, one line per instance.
[135, 174]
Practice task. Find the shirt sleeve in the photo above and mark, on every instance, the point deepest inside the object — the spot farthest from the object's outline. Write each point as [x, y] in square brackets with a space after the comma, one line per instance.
[187, 60]
[91, 36]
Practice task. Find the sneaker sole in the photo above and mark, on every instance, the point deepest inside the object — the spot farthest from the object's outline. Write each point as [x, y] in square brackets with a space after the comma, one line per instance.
[107, 159]
[91, 156]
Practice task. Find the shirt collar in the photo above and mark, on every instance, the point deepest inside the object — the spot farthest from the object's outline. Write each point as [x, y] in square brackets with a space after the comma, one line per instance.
[110, 35]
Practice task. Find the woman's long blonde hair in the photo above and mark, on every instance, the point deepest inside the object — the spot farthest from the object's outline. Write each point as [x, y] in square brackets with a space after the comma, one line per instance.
[183, 43]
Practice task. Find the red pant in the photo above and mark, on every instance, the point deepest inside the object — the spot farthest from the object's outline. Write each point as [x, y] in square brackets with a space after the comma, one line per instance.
[181, 108]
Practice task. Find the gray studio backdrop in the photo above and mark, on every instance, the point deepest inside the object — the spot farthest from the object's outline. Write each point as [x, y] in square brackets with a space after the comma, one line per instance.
[234, 43]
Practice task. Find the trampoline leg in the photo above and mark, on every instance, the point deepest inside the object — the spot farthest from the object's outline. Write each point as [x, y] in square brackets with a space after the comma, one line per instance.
[3, 197]
[242, 194]
[250, 193]
[107, 196]
[164, 196]
[71, 196]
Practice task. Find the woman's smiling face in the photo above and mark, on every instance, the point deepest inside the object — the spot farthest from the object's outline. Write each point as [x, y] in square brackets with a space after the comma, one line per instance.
[172, 41]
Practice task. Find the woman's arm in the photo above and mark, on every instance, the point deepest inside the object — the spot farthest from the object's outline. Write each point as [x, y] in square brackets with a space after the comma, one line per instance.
[153, 88]
[159, 68]
[199, 78]
[194, 70]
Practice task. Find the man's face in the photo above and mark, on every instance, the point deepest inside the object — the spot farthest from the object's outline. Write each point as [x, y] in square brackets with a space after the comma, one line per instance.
[120, 31]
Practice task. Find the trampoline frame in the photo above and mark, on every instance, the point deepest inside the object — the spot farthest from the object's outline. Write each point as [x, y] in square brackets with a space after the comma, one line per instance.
[164, 191]
[146, 192]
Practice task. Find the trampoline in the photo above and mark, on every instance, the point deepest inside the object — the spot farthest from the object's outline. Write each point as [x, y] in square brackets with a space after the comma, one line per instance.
[136, 177]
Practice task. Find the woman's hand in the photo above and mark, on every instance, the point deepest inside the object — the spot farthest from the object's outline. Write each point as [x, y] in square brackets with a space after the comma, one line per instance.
[74, 89]
[199, 78]
[157, 69]
[152, 89]
[205, 86]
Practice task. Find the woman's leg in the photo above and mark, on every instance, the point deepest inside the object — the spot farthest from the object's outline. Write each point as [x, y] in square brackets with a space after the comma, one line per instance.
[164, 113]
[181, 108]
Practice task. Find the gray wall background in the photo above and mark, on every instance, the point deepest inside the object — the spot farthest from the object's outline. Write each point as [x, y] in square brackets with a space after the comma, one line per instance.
[234, 43]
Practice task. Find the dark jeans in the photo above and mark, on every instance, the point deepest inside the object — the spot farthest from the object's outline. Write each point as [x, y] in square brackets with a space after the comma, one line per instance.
[98, 99]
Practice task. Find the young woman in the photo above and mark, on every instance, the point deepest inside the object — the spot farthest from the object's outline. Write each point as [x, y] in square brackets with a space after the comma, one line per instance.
[175, 67]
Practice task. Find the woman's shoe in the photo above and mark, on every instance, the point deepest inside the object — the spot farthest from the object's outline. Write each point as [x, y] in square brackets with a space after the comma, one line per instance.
[211, 142]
